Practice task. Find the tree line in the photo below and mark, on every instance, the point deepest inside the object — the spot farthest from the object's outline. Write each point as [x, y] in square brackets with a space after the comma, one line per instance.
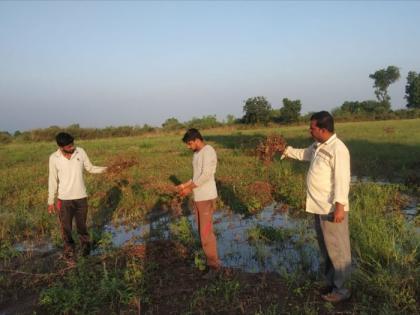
[257, 110]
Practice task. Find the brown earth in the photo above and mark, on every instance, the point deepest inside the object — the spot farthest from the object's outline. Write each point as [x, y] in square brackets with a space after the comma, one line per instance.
[177, 287]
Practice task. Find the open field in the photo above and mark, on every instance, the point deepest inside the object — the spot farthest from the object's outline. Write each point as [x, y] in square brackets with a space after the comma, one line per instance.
[136, 278]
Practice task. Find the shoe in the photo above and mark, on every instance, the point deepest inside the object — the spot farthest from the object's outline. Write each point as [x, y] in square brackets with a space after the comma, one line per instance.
[335, 297]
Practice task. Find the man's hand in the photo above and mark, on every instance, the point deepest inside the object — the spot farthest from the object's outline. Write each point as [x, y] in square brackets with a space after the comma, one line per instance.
[51, 209]
[185, 191]
[281, 147]
[185, 185]
[338, 213]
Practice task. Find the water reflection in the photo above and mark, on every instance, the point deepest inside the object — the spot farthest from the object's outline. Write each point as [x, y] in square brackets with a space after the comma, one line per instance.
[235, 249]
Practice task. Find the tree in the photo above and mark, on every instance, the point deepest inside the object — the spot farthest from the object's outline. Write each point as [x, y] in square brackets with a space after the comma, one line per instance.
[290, 112]
[412, 90]
[205, 122]
[257, 110]
[383, 79]
[369, 108]
[172, 124]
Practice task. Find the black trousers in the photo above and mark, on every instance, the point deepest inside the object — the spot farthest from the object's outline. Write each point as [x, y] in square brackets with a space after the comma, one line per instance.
[76, 209]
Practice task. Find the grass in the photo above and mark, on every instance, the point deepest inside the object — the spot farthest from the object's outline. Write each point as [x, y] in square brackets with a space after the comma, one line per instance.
[97, 288]
[385, 247]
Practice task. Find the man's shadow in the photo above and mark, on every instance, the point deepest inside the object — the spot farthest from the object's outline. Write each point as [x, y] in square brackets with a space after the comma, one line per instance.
[107, 206]
[230, 199]
[167, 262]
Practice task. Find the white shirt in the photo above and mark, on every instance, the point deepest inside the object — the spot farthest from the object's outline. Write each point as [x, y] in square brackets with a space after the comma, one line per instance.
[328, 178]
[67, 175]
[204, 168]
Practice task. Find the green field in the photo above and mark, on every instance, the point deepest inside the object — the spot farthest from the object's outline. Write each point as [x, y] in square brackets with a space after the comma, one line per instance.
[385, 247]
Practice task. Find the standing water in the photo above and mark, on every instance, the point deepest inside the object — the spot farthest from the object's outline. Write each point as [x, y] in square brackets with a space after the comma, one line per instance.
[236, 247]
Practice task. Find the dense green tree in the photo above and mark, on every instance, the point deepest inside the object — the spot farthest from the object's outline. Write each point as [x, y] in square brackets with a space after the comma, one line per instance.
[383, 78]
[364, 107]
[412, 90]
[290, 112]
[257, 110]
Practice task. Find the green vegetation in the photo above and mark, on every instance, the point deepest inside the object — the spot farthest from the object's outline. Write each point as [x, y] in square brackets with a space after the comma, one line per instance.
[93, 288]
[383, 78]
[385, 247]
[269, 234]
[257, 110]
[412, 90]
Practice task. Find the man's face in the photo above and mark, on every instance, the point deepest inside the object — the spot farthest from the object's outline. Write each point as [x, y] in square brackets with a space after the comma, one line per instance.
[193, 145]
[68, 149]
[316, 132]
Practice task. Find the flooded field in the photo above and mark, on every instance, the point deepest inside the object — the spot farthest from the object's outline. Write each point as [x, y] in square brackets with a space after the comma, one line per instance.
[236, 246]
[144, 259]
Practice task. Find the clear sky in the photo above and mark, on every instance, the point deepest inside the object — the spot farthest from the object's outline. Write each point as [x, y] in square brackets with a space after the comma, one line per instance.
[118, 63]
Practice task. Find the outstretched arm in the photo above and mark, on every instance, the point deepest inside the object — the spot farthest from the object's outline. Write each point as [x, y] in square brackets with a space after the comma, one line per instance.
[90, 167]
[298, 154]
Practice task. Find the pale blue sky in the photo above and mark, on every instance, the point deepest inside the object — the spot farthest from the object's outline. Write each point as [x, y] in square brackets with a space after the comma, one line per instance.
[118, 63]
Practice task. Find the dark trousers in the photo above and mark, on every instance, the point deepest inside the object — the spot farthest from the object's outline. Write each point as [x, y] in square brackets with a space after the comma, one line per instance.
[76, 209]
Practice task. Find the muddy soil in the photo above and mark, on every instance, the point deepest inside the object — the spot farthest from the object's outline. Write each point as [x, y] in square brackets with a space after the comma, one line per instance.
[178, 287]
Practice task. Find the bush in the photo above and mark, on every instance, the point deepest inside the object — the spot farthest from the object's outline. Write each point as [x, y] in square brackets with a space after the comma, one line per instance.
[5, 137]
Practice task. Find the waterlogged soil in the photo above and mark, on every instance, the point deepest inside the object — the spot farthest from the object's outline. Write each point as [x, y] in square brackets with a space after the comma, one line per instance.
[255, 276]
[236, 248]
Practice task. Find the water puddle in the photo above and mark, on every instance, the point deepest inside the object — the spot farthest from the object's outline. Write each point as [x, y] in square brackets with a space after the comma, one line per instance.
[37, 247]
[234, 247]
[296, 250]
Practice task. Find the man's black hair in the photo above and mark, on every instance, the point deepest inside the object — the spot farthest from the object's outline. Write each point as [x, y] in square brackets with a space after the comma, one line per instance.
[324, 120]
[63, 139]
[191, 135]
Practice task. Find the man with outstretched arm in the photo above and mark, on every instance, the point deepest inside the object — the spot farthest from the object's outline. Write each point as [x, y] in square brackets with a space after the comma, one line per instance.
[328, 184]
[66, 177]
[203, 186]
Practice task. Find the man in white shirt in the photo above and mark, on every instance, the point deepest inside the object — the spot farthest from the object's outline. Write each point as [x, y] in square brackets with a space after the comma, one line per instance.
[66, 176]
[328, 184]
[203, 186]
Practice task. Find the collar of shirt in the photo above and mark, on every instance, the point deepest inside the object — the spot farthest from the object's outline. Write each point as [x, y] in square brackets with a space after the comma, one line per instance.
[59, 154]
[331, 139]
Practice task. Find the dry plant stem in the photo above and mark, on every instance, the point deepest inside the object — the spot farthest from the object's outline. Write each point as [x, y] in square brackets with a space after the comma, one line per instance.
[267, 149]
